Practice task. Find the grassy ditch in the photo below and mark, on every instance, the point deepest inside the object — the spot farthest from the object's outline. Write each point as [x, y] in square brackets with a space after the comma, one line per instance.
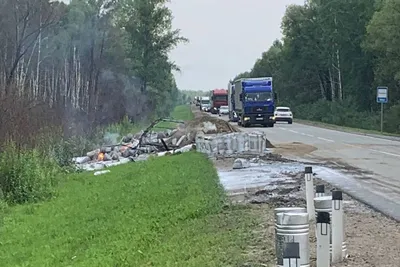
[167, 211]
[183, 113]
[125, 127]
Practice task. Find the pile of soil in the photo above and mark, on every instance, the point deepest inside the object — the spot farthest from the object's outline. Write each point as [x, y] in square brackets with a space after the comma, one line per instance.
[204, 122]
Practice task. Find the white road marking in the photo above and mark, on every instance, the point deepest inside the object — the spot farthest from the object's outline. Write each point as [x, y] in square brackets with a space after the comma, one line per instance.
[324, 139]
[332, 141]
[355, 134]
[309, 135]
[385, 153]
[377, 151]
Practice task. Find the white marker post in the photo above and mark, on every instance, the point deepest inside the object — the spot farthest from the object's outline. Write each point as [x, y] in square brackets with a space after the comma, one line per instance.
[291, 255]
[320, 190]
[323, 239]
[337, 226]
[308, 174]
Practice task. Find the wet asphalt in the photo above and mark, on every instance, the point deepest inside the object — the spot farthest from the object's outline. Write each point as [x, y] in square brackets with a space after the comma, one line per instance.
[366, 167]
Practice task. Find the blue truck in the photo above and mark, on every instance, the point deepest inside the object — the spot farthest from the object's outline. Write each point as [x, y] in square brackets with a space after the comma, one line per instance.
[253, 101]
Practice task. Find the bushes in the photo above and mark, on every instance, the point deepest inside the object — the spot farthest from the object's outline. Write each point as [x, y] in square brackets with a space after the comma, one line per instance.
[30, 173]
[342, 114]
[124, 127]
[26, 175]
[392, 119]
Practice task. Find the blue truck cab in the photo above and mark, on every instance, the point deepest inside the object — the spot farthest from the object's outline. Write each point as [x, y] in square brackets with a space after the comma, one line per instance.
[254, 101]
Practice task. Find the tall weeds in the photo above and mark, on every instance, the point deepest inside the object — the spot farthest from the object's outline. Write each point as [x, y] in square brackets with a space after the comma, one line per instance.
[26, 175]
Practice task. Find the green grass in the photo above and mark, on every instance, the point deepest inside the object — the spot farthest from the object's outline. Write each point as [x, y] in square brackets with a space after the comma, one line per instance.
[167, 211]
[125, 127]
[182, 113]
[345, 128]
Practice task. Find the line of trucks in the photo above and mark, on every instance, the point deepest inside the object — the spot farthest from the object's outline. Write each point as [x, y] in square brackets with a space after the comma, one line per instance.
[216, 99]
[250, 101]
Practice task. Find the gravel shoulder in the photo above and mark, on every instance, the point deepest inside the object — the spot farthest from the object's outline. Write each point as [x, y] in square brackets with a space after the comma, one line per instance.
[372, 238]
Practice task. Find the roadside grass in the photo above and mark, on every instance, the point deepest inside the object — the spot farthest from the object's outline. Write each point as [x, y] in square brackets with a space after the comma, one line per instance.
[123, 128]
[168, 211]
[183, 113]
[345, 128]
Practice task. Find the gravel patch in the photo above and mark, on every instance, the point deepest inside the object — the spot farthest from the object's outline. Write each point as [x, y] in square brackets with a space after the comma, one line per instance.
[373, 240]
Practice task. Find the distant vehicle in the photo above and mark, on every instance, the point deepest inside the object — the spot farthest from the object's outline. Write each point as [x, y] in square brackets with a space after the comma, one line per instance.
[283, 114]
[223, 110]
[205, 103]
[219, 97]
[253, 101]
[197, 101]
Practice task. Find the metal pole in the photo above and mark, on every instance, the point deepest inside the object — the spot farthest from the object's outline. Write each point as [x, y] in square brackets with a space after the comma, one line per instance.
[381, 117]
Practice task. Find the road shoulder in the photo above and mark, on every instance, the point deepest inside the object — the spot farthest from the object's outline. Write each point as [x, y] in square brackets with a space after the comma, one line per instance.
[362, 132]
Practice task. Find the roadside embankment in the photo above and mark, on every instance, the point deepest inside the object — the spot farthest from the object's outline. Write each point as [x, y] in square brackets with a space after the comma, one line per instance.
[271, 181]
[163, 211]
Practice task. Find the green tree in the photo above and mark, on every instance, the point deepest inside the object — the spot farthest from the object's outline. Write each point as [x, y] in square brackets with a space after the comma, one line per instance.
[149, 25]
[332, 56]
[383, 40]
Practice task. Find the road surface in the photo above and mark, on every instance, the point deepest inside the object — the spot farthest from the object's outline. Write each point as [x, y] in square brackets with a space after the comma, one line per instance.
[373, 163]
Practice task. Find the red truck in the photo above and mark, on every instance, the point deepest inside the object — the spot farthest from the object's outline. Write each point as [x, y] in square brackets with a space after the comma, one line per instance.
[219, 97]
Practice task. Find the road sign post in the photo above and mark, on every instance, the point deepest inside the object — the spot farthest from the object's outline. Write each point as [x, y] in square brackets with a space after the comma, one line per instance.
[382, 98]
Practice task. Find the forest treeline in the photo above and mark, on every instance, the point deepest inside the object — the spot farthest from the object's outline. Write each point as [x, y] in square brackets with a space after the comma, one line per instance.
[333, 55]
[75, 67]
[69, 74]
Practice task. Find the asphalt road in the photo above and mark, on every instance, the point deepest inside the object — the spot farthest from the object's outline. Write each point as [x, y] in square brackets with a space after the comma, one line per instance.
[375, 179]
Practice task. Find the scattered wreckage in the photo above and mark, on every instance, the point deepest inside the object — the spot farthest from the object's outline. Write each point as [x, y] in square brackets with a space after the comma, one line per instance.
[138, 147]
[206, 134]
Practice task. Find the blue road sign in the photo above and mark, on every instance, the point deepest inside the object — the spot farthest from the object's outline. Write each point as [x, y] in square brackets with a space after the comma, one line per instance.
[382, 94]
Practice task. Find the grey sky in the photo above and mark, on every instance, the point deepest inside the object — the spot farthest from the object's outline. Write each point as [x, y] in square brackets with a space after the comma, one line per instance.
[226, 37]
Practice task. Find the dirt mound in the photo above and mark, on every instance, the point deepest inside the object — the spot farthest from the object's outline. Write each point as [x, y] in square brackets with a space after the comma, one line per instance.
[294, 148]
[210, 125]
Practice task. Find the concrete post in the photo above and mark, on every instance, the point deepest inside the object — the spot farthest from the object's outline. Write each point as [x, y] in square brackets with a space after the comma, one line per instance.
[323, 239]
[337, 226]
[308, 174]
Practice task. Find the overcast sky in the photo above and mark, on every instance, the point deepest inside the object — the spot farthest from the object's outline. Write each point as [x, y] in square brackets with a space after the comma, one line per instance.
[226, 37]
